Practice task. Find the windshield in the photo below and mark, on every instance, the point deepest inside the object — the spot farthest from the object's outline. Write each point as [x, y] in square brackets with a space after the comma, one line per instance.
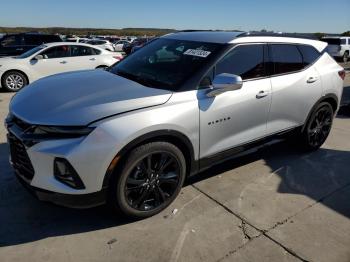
[166, 63]
[31, 52]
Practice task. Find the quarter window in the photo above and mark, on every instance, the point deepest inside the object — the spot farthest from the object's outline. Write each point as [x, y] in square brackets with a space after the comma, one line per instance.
[247, 61]
[310, 54]
[285, 58]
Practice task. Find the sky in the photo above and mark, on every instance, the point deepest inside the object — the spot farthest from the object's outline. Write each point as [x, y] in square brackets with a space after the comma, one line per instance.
[331, 16]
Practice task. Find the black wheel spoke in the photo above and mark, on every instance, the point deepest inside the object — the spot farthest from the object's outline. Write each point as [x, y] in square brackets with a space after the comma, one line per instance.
[159, 195]
[142, 198]
[165, 161]
[152, 181]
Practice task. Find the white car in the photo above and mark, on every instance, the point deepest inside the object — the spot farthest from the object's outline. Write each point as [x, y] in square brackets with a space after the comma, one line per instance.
[104, 44]
[52, 58]
[118, 46]
[338, 47]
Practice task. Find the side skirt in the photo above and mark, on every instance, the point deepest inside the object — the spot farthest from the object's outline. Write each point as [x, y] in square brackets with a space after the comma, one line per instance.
[207, 162]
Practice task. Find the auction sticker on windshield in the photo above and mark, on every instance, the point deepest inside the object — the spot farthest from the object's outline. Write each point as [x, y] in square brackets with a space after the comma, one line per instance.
[194, 52]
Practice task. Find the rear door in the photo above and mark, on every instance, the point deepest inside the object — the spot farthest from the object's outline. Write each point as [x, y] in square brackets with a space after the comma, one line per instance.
[236, 117]
[84, 57]
[296, 85]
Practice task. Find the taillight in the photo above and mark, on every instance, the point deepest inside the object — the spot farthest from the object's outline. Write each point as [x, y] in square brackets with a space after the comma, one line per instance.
[118, 57]
[342, 74]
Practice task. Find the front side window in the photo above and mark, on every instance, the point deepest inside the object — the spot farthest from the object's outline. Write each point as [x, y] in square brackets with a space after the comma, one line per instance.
[246, 61]
[167, 63]
[343, 41]
[285, 58]
[56, 52]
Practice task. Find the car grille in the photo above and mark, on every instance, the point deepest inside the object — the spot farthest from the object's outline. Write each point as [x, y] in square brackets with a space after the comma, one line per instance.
[20, 159]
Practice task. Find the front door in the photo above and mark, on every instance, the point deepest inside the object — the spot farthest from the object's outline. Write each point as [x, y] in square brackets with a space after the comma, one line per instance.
[236, 117]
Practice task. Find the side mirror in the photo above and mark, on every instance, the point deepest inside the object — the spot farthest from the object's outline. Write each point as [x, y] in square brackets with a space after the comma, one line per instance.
[225, 82]
[38, 57]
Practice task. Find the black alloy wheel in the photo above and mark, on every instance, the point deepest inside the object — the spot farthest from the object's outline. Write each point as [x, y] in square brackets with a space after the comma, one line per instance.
[319, 125]
[150, 180]
[153, 181]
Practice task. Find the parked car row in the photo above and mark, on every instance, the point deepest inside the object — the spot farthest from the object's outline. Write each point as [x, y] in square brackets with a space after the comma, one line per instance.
[52, 58]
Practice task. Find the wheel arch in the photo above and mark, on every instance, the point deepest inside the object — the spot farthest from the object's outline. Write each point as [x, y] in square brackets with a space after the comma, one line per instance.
[175, 137]
[332, 99]
[14, 70]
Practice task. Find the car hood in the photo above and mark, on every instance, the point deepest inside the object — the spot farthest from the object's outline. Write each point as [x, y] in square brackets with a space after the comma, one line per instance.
[79, 98]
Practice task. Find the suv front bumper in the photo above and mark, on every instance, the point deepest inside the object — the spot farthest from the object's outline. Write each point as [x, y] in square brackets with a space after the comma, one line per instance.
[66, 200]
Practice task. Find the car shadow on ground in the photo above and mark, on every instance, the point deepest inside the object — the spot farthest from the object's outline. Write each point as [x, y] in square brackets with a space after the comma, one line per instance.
[24, 219]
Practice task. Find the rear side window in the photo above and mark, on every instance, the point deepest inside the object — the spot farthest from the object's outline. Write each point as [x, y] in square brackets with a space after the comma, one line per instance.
[247, 61]
[8, 41]
[332, 41]
[33, 40]
[343, 41]
[77, 50]
[310, 54]
[285, 58]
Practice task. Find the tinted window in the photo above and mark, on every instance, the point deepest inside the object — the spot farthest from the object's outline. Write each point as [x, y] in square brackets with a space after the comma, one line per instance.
[40, 39]
[50, 38]
[83, 51]
[310, 54]
[246, 61]
[56, 52]
[8, 41]
[343, 41]
[286, 58]
[33, 40]
[332, 41]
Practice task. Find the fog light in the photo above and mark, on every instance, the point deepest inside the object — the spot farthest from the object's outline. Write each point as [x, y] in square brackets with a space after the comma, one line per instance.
[66, 174]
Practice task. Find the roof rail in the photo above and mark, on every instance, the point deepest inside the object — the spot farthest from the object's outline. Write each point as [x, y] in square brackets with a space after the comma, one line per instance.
[280, 34]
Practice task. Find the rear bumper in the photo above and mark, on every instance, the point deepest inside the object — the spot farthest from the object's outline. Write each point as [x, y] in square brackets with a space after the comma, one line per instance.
[66, 200]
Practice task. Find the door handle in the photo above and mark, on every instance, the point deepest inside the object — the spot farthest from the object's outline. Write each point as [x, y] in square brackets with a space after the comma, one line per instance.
[19, 49]
[63, 62]
[262, 94]
[311, 79]
[92, 59]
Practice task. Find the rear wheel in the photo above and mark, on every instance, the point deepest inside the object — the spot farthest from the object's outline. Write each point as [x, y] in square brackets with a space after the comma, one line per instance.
[149, 181]
[318, 127]
[13, 81]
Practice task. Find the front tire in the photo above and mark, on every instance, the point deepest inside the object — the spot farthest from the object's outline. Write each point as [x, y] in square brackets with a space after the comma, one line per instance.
[318, 127]
[14, 81]
[149, 181]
